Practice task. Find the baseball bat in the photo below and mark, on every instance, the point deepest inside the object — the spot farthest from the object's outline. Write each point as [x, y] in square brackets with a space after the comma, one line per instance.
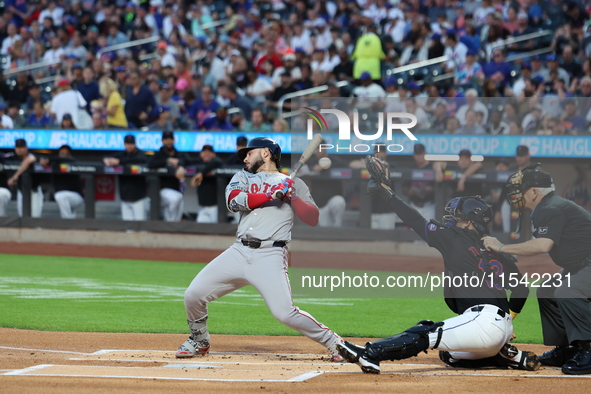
[308, 152]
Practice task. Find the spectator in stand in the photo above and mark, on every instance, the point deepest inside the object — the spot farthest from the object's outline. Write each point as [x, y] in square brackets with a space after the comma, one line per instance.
[39, 117]
[471, 71]
[54, 12]
[163, 121]
[472, 103]
[139, 101]
[88, 87]
[20, 92]
[132, 188]
[439, 118]
[55, 54]
[9, 42]
[257, 124]
[172, 187]
[498, 69]
[113, 103]
[286, 87]
[67, 123]
[552, 64]
[368, 55]
[456, 50]
[203, 107]
[471, 126]
[572, 120]
[24, 52]
[18, 120]
[219, 122]
[35, 94]
[165, 100]
[5, 120]
[235, 100]
[496, 126]
[257, 87]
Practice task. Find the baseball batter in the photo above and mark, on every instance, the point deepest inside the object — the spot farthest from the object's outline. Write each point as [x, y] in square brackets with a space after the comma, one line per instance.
[479, 335]
[259, 256]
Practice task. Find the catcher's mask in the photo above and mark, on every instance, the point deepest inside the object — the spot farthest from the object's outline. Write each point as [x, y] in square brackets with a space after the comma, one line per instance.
[472, 208]
[521, 181]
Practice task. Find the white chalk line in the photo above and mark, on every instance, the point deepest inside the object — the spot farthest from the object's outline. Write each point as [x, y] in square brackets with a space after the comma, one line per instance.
[26, 372]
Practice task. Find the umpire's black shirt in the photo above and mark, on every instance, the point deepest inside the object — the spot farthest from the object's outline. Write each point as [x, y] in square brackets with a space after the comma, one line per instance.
[568, 225]
[132, 187]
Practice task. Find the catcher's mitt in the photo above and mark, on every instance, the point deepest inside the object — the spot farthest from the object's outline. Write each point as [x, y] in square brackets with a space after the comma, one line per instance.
[378, 169]
[380, 183]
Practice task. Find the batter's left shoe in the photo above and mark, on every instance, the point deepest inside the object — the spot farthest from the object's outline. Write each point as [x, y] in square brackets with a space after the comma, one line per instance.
[335, 357]
[519, 359]
[192, 348]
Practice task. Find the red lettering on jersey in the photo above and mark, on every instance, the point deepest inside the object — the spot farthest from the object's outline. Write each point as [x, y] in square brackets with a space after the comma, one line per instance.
[266, 187]
[254, 188]
[474, 250]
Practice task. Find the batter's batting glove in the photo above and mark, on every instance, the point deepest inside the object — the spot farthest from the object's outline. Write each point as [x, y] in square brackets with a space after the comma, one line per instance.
[380, 182]
[275, 189]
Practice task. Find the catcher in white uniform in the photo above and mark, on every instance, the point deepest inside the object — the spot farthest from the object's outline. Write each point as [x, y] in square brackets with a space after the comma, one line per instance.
[259, 256]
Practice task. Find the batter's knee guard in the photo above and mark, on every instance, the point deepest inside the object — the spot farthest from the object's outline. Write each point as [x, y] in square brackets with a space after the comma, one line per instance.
[407, 344]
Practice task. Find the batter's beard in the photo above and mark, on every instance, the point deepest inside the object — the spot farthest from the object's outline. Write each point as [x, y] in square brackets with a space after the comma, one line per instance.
[255, 167]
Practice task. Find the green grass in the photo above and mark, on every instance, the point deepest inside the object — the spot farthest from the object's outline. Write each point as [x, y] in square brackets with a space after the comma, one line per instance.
[86, 294]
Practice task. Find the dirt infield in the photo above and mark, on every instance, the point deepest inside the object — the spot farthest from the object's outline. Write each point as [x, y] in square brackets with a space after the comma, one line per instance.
[377, 262]
[60, 362]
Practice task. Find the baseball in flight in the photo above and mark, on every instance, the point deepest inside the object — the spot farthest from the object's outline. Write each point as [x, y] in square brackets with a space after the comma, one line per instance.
[324, 163]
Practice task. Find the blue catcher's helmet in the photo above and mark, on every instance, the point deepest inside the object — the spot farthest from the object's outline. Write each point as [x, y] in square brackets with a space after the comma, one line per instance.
[472, 208]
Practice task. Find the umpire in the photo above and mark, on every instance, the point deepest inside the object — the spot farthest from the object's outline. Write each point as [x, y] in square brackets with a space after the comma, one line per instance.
[560, 228]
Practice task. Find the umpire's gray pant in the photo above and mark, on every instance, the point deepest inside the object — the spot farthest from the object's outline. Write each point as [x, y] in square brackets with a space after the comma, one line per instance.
[566, 310]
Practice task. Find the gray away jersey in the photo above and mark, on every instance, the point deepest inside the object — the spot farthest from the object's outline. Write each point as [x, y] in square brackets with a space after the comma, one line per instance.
[272, 220]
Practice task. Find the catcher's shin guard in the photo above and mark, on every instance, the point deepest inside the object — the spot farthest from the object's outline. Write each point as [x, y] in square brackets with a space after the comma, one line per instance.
[407, 344]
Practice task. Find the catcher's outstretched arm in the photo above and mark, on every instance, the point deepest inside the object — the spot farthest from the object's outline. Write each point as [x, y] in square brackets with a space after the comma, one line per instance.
[410, 216]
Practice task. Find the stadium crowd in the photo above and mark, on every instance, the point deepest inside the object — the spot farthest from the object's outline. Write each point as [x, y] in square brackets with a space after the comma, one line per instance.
[224, 65]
